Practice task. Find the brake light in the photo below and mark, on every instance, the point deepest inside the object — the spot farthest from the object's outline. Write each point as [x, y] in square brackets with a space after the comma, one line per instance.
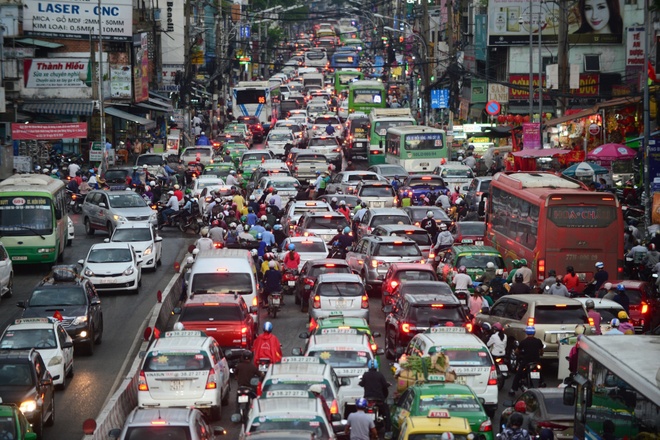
[540, 269]
[431, 256]
[374, 264]
[259, 390]
[142, 382]
[365, 302]
[645, 308]
[374, 347]
[158, 422]
[405, 327]
[530, 322]
[211, 383]
[317, 302]
[469, 327]
[437, 306]
[394, 284]
[308, 281]
[492, 378]
[244, 337]
[486, 426]
[334, 408]
[211, 304]
[591, 322]
[255, 301]
[330, 265]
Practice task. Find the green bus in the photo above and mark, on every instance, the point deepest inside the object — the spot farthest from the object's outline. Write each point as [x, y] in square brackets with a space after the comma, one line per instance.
[347, 33]
[418, 149]
[344, 77]
[380, 119]
[33, 218]
[365, 95]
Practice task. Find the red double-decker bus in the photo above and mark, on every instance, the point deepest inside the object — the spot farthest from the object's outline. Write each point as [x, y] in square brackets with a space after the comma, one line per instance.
[554, 222]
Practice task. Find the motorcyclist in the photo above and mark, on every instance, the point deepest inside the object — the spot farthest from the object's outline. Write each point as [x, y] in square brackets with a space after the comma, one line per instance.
[514, 430]
[343, 240]
[529, 351]
[359, 425]
[344, 210]
[265, 265]
[267, 346]
[512, 273]
[497, 343]
[444, 241]
[396, 184]
[246, 370]
[376, 388]
[430, 225]
[518, 287]
[593, 315]
[489, 273]
[280, 236]
[461, 281]
[171, 207]
[272, 281]
[292, 258]
[204, 243]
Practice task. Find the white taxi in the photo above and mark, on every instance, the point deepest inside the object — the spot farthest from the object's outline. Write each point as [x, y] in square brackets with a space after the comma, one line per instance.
[309, 248]
[184, 369]
[113, 266]
[47, 336]
[145, 240]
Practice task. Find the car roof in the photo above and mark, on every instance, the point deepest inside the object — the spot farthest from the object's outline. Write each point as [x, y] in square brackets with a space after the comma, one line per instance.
[111, 245]
[324, 261]
[430, 298]
[311, 203]
[33, 323]
[338, 278]
[472, 249]
[307, 238]
[185, 340]
[542, 300]
[387, 211]
[287, 405]
[337, 340]
[134, 225]
[324, 214]
[442, 388]
[172, 416]
[206, 299]
[388, 238]
[448, 340]
[402, 228]
[601, 303]
[353, 322]
[374, 183]
[455, 165]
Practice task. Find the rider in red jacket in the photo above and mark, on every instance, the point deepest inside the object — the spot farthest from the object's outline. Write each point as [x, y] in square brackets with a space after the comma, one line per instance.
[267, 346]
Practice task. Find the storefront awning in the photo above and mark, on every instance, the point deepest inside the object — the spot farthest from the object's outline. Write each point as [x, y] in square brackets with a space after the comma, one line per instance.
[60, 107]
[130, 117]
[612, 103]
[157, 108]
[39, 43]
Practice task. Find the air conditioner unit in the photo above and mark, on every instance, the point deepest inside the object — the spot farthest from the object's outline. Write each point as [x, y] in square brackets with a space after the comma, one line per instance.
[12, 86]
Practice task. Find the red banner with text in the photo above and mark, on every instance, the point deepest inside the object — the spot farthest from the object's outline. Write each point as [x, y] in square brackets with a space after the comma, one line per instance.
[33, 132]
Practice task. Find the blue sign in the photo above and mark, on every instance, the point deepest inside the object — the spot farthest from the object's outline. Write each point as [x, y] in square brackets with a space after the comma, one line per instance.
[439, 98]
[245, 32]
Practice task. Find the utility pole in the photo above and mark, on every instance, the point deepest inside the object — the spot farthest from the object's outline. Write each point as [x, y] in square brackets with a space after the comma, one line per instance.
[450, 49]
[184, 87]
[426, 97]
[562, 58]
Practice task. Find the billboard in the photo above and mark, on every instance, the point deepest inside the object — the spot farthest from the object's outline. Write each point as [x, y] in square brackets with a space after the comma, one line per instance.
[78, 19]
[589, 22]
[173, 43]
[141, 67]
[54, 72]
[120, 81]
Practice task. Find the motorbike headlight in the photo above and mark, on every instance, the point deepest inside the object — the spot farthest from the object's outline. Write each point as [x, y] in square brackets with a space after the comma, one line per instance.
[119, 218]
[88, 273]
[79, 320]
[28, 406]
[129, 271]
[148, 250]
[56, 360]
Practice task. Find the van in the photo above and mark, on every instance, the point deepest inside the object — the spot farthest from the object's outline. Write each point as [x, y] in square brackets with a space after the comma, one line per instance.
[225, 271]
[312, 79]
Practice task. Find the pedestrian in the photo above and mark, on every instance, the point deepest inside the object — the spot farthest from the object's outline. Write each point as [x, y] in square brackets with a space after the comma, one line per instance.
[526, 272]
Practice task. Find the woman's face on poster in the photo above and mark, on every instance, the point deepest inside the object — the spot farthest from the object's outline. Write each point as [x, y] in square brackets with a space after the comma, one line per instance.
[597, 14]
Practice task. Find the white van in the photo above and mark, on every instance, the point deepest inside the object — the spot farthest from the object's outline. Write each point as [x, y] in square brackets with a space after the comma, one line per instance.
[225, 271]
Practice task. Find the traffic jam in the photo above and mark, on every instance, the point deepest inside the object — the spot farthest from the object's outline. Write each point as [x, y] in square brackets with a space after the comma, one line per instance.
[440, 299]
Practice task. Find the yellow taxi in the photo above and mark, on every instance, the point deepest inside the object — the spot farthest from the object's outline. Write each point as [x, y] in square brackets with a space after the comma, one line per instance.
[436, 423]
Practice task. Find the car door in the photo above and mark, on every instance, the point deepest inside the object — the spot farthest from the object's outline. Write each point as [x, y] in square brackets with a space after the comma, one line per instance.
[220, 364]
[44, 386]
[102, 210]
[353, 257]
[67, 353]
[5, 269]
[158, 242]
[94, 305]
[364, 224]
[402, 408]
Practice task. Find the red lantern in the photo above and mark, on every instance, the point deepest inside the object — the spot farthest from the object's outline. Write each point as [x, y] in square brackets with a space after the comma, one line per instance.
[526, 118]
[501, 119]
[517, 119]
[509, 118]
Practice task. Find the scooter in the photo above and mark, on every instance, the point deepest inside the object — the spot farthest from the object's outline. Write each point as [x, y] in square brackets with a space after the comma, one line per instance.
[244, 397]
[75, 202]
[503, 370]
[263, 364]
[274, 303]
[289, 279]
[532, 376]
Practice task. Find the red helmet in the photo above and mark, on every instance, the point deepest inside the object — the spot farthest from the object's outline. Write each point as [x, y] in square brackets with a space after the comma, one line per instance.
[215, 223]
[520, 407]
[262, 206]
[651, 246]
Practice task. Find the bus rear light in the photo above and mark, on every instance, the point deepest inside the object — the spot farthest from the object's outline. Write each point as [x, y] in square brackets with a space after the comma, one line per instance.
[540, 269]
[645, 308]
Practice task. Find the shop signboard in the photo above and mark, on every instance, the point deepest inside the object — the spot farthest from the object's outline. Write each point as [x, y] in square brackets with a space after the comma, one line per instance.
[72, 130]
[49, 73]
[120, 81]
[531, 136]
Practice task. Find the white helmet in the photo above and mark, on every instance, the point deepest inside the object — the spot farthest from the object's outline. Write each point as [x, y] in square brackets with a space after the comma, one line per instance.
[459, 201]
[152, 183]
[334, 200]
[315, 388]
[490, 265]
[443, 226]
[252, 197]
[264, 218]
[429, 214]
[272, 264]
[178, 326]
[195, 251]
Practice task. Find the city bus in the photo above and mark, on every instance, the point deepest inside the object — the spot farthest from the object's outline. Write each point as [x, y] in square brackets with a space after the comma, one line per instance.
[254, 98]
[615, 389]
[365, 95]
[418, 149]
[33, 218]
[553, 222]
[380, 119]
[347, 33]
[345, 59]
[344, 77]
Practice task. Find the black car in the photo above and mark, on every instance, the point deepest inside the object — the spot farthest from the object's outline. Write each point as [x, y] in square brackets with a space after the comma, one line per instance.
[412, 314]
[66, 295]
[26, 382]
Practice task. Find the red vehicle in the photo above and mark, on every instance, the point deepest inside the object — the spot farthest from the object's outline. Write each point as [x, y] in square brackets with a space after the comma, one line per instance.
[399, 272]
[470, 233]
[224, 317]
[554, 222]
[644, 303]
[255, 127]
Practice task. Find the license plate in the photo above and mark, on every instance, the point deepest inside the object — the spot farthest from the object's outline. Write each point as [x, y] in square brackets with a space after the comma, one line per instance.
[424, 164]
[464, 301]
[243, 398]
[340, 304]
[461, 380]
[176, 385]
[263, 367]
[535, 375]
[19, 258]
[276, 301]
[107, 280]
[291, 283]
[504, 368]
[479, 243]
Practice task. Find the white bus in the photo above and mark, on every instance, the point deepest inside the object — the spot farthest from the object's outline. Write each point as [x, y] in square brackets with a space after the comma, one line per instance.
[254, 98]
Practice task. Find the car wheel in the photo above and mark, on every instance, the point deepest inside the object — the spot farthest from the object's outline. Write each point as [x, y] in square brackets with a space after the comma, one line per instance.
[110, 229]
[51, 419]
[10, 286]
[99, 334]
[38, 426]
[89, 230]
[225, 398]
[89, 347]
[389, 353]
[62, 385]
[216, 413]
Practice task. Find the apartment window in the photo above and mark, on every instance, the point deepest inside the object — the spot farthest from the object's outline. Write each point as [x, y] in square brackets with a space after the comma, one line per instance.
[592, 63]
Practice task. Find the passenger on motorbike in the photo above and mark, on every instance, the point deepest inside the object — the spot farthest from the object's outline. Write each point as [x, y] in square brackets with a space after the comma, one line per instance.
[246, 370]
[497, 343]
[217, 233]
[204, 243]
[272, 281]
[430, 225]
[445, 239]
[343, 240]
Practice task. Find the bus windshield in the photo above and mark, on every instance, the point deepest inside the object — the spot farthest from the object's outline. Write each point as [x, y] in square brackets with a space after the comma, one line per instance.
[26, 215]
[367, 96]
[347, 78]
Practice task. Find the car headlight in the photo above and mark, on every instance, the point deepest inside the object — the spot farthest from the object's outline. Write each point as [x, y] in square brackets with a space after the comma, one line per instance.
[119, 218]
[148, 250]
[129, 271]
[88, 273]
[56, 360]
[79, 320]
[45, 250]
[28, 406]
[152, 217]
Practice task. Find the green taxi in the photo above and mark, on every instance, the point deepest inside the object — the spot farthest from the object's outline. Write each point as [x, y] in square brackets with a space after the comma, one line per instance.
[432, 425]
[251, 160]
[339, 324]
[474, 258]
[13, 424]
[236, 150]
[419, 400]
[219, 169]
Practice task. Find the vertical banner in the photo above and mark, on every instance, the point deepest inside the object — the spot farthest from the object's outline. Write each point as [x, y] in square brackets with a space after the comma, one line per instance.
[531, 136]
[635, 46]
[140, 67]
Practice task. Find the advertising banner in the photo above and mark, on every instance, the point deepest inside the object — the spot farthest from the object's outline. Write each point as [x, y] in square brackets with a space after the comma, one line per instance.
[78, 19]
[120, 81]
[521, 92]
[33, 132]
[169, 74]
[141, 66]
[510, 22]
[635, 46]
[54, 72]
[531, 136]
[173, 44]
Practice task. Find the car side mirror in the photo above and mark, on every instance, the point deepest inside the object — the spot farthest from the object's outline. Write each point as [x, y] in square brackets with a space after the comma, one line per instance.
[114, 433]
[67, 344]
[303, 335]
[485, 311]
[95, 302]
[296, 351]
[106, 240]
[335, 418]
[158, 239]
[344, 381]
[21, 304]
[102, 205]
[81, 262]
[176, 311]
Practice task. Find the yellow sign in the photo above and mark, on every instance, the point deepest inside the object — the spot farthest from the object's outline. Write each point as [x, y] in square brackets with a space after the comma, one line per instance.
[396, 71]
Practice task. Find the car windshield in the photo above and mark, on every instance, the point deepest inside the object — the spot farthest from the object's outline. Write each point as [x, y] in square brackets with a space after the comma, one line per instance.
[126, 200]
[479, 261]
[154, 160]
[472, 228]
[342, 358]
[456, 402]
[376, 191]
[285, 184]
[415, 275]
[329, 222]
[421, 238]
[279, 137]
[323, 142]
[222, 282]
[437, 288]
[176, 361]
[390, 220]
[560, 314]
[328, 268]
[15, 374]
[325, 121]
[105, 255]
[115, 175]
[429, 316]
[314, 425]
[22, 339]
[228, 312]
[340, 289]
[310, 246]
[60, 296]
[169, 432]
[403, 249]
[457, 172]
[358, 177]
[206, 152]
[255, 156]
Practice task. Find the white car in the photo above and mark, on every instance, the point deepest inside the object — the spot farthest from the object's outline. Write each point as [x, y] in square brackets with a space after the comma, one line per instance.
[309, 248]
[144, 239]
[47, 336]
[455, 174]
[322, 121]
[342, 112]
[113, 266]
[6, 273]
[208, 182]
[286, 186]
[277, 140]
[295, 209]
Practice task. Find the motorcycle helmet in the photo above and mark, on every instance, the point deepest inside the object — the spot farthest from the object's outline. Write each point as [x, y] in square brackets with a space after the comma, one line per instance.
[486, 327]
[252, 197]
[268, 326]
[232, 226]
[361, 403]
[497, 326]
[315, 388]
[516, 419]
[429, 214]
[178, 326]
[215, 223]
[372, 364]
[447, 436]
[264, 218]
[520, 406]
[462, 269]
[600, 265]
[622, 315]
[334, 200]
[277, 227]
[589, 304]
[272, 264]
[347, 230]
[292, 247]
[620, 288]
[259, 236]
[442, 226]
[254, 252]
[530, 330]
[250, 209]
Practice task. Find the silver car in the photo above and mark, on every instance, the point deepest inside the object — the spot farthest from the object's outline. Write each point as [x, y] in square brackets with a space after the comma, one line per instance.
[104, 210]
[346, 181]
[338, 294]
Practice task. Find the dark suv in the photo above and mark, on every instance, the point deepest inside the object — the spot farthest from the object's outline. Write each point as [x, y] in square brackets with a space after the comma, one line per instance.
[65, 294]
[412, 314]
[26, 382]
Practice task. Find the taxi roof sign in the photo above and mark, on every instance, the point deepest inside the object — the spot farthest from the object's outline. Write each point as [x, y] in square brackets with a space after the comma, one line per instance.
[34, 321]
[447, 330]
[436, 378]
[339, 331]
[438, 414]
[300, 360]
[287, 393]
[184, 333]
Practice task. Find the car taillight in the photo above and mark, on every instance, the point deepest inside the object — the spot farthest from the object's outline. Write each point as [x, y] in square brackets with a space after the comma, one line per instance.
[309, 281]
[645, 308]
[393, 284]
[374, 347]
[244, 331]
[259, 389]
[365, 302]
[530, 322]
[405, 327]
[211, 382]
[469, 327]
[431, 256]
[317, 302]
[540, 270]
[334, 408]
[486, 426]
[255, 301]
[374, 264]
[492, 378]
[142, 382]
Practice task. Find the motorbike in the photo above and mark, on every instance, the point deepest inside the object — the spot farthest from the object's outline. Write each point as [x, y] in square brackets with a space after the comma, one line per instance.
[263, 364]
[289, 279]
[337, 252]
[274, 303]
[75, 201]
[532, 376]
[503, 370]
[244, 397]
[185, 220]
